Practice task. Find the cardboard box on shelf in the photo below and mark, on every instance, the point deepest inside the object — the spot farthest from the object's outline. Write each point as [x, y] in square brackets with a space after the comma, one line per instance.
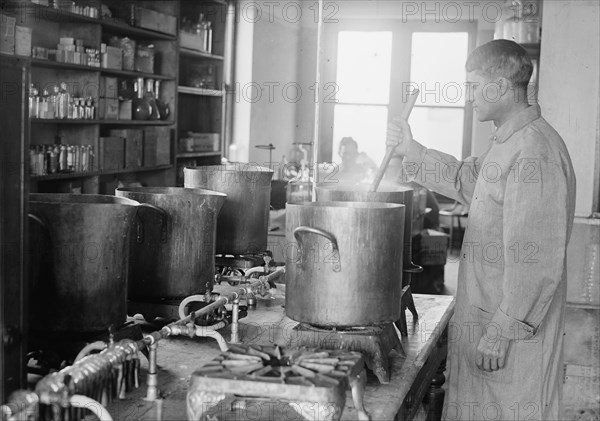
[155, 21]
[7, 34]
[108, 87]
[108, 108]
[111, 155]
[125, 109]
[22, 41]
[205, 142]
[157, 146]
[133, 146]
[112, 58]
[431, 248]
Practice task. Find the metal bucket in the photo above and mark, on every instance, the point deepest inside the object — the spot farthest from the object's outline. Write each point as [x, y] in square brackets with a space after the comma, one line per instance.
[81, 285]
[387, 193]
[173, 243]
[244, 219]
[344, 268]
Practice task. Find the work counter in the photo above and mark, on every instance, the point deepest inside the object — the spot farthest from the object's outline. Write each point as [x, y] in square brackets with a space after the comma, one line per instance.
[411, 375]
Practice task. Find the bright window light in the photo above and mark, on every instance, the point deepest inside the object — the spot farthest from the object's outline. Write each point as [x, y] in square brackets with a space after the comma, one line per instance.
[364, 67]
[437, 66]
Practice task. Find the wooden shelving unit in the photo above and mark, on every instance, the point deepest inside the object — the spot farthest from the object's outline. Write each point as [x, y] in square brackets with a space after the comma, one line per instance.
[202, 108]
[48, 25]
[193, 108]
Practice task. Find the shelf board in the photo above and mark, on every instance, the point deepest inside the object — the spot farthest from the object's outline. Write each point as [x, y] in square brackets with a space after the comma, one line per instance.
[136, 122]
[41, 12]
[117, 72]
[72, 175]
[37, 62]
[199, 54]
[104, 122]
[61, 121]
[532, 49]
[197, 154]
[121, 28]
[198, 91]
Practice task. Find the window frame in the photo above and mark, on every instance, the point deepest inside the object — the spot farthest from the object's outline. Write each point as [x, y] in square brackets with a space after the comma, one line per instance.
[401, 53]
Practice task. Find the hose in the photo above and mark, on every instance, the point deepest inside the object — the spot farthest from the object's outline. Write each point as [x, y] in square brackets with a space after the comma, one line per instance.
[80, 401]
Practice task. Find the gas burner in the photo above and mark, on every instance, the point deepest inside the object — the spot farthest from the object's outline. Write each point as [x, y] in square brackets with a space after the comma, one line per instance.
[241, 264]
[375, 342]
[299, 379]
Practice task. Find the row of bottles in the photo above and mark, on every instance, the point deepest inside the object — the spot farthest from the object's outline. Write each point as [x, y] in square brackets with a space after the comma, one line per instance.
[53, 159]
[202, 29]
[59, 104]
[147, 105]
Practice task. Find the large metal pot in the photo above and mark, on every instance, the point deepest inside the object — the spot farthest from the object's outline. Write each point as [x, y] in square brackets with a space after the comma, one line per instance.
[173, 252]
[243, 223]
[81, 285]
[386, 193]
[344, 263]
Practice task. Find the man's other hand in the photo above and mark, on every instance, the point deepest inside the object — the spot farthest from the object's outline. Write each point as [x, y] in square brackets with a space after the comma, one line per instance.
[491, 354]
[399, 135]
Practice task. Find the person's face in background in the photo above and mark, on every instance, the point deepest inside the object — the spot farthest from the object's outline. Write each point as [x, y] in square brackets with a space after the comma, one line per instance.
[483, 94]
[348, 153]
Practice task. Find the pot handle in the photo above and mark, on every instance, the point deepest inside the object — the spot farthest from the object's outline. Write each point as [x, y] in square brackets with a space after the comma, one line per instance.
[38, 220]
[413, 268]
[163, 224]
[334, 257]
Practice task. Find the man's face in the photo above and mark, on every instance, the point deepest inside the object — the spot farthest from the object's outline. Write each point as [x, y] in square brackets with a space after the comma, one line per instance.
[484, 95]
[348, 153]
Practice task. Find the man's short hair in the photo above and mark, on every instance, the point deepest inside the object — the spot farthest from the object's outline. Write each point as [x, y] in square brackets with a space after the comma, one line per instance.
[502, 58]
[348, 141]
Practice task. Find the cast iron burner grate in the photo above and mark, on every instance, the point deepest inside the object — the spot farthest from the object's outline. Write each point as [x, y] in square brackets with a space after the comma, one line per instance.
[298, 377]
[374, 342]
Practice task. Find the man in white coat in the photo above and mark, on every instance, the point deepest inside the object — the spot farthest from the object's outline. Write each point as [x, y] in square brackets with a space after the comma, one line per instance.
[506, 335]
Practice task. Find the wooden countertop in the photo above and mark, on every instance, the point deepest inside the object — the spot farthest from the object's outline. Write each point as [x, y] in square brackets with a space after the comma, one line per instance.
[178, 357]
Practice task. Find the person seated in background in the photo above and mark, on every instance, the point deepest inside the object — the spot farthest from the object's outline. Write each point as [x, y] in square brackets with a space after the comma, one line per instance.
[356, 166]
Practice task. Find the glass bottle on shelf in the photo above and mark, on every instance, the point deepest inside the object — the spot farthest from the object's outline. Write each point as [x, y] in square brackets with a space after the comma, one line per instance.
[64, 100]
[33, 107]
[43, 110]
[208, 37]
[141, 108]
[149, 95]
[200, 31]
[163, 107]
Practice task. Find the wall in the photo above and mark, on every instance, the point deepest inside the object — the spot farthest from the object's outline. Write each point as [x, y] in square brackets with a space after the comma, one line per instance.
[570, 87]
[270, 82]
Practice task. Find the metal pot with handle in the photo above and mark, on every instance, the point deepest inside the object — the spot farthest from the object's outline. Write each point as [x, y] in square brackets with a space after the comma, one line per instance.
[243, 223]
[173, 246]
[387, 193]
[79, 255]
[344, 263]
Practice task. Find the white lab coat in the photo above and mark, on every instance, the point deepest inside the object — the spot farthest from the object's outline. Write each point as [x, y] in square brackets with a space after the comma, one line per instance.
[512, 276]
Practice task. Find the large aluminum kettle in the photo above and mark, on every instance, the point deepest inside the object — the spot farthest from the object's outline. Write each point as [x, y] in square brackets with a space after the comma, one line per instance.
[173, 249]
[79, 255]
[386, 193]
[243, 223]
[344, 263]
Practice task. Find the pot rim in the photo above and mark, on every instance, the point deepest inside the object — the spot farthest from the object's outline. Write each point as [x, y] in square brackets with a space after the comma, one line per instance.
[231, 167]
[363, 188]
[171, 191]
[73, 199]
[351, 205]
